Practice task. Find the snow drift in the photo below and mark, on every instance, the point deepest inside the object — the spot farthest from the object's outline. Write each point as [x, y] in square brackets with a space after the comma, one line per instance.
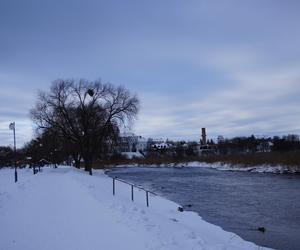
[65, 208]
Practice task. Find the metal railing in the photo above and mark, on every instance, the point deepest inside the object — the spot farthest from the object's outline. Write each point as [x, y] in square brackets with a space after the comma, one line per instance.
[147, 192]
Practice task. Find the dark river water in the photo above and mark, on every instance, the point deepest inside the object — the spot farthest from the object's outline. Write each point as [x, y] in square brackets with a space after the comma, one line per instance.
[239, 202]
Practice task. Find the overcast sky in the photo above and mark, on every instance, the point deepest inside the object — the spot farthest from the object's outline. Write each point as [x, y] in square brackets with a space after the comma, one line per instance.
[230, 66]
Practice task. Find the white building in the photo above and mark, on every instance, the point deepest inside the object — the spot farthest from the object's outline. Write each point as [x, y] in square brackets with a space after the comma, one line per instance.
[161, 145]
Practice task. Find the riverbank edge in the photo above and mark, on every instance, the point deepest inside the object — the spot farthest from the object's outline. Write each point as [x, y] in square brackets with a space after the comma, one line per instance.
[265, 168]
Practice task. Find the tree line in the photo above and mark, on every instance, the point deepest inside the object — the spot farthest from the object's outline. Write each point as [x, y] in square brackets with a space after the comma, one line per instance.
[79, 121]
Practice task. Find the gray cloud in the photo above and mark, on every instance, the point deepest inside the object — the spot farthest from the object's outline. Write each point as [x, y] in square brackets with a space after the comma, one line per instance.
[230, 66]
[258, 101]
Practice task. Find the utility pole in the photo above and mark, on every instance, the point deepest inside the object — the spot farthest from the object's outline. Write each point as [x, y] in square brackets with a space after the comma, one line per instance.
[12, 126]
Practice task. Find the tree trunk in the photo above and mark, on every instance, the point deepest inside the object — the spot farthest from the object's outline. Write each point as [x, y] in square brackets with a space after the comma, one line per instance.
[77, 164]
[77, 159]
[88, 165]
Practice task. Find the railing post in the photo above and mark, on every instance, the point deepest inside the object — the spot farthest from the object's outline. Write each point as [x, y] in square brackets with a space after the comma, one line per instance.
[147, 199]
[131, 192]
[114, 186]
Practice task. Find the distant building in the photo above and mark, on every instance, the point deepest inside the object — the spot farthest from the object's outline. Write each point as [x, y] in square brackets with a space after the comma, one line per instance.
[265, 146]
[161, 145]
[204, 148]
[130, 142]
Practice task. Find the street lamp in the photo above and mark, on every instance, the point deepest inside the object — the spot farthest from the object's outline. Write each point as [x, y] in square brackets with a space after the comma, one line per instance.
[12, 126]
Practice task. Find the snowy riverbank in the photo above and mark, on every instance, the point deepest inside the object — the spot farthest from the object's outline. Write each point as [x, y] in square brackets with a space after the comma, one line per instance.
[278, 169]
[65, 208]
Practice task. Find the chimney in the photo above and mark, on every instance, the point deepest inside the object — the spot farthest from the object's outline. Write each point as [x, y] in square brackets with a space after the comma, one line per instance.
[203, 142]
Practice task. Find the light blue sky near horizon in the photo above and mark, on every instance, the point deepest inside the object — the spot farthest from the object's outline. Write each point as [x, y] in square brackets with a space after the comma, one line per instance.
[230, 66]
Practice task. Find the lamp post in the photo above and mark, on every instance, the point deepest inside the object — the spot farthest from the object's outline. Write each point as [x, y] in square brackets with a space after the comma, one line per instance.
[91, 93]
[12, 126]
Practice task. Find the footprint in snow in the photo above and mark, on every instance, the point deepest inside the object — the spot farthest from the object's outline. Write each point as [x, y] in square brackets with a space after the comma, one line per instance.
[149, 227]
[21, 186]
[192, 235]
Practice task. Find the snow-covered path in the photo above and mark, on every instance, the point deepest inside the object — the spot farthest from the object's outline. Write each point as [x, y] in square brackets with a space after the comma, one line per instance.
[65, 208]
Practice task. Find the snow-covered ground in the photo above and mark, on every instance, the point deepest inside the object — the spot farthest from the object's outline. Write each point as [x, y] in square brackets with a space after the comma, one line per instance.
[65, 208]
[278, 169]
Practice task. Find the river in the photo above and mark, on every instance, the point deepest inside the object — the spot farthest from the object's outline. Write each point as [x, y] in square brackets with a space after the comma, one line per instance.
[239, 202]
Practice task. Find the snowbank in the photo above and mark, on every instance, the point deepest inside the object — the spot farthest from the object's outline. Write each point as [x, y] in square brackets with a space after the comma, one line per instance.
[278, 169]
[65, 208]
[132, 155]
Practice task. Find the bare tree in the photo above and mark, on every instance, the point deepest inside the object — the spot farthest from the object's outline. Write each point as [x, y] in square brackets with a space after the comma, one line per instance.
[85, 113]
